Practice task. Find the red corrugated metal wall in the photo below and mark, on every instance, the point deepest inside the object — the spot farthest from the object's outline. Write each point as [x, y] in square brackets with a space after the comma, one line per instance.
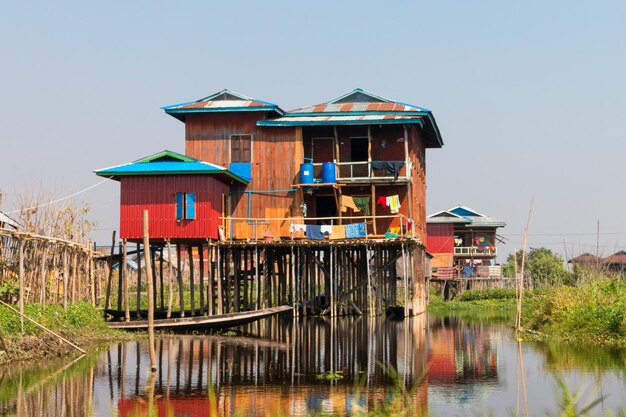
[157, 194]
[440, 238]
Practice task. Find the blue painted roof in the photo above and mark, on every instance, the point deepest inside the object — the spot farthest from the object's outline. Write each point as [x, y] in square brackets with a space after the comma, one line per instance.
[168, 163]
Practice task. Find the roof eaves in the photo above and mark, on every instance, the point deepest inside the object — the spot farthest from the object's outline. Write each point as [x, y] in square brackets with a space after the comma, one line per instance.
[270, 122]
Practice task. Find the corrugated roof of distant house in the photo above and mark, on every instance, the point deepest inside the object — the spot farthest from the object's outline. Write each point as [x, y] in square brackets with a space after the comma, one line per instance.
[224, 101]
[616, 258]
[167, 163]
[4, 219]
[360, 107]
[585, 258]
[464, 215]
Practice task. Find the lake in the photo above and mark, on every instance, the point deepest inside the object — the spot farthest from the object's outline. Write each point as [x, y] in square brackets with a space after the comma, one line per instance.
[445, 365]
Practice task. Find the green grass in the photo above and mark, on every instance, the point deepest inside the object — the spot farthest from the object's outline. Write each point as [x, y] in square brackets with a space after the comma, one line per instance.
[80, 323]
[592, 312]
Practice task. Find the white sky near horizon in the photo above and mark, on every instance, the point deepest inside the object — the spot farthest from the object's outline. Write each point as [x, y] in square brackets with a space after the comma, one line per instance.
[530, 97]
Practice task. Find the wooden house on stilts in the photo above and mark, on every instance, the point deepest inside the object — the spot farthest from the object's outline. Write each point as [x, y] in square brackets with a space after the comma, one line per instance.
[322, 207]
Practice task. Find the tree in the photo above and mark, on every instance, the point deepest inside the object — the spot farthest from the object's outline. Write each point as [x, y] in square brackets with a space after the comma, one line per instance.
[544, 267]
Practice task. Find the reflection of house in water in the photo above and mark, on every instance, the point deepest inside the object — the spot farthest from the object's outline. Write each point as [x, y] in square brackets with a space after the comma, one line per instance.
[274, 370]
[463, 243]
[460, 354]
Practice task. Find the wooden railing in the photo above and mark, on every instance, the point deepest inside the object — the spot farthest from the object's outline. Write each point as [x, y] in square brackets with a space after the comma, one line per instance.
[476, 250]
[361, 170]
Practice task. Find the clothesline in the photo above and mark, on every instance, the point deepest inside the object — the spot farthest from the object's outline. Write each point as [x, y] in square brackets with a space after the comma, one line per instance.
[299, 218]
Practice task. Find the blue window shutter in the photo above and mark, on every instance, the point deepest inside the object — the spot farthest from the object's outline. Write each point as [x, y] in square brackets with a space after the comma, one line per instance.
[179, 206]
[191, 206]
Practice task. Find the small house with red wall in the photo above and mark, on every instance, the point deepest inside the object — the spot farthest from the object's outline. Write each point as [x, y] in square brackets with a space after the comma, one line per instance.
[183, 196]
[463, 243]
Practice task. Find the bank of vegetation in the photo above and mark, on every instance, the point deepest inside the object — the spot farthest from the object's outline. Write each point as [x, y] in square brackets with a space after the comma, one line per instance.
[586, 305]
[80, 323]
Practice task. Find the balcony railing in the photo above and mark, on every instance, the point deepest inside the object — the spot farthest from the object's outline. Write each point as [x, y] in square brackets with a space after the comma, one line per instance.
[362, 170]
[475, 250]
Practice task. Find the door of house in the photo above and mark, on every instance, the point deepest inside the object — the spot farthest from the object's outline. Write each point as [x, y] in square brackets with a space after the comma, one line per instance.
[359, 153]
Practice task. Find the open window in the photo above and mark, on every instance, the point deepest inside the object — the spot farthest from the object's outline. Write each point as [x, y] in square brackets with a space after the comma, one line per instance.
[185, 206]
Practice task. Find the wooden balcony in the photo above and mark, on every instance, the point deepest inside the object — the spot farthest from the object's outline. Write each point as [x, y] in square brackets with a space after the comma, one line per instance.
[362, 172]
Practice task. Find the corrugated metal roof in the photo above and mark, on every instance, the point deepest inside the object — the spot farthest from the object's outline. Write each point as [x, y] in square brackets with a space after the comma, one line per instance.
[360, 107]
[339, 120]
[167, 163]
[223, 101]
[616, 258]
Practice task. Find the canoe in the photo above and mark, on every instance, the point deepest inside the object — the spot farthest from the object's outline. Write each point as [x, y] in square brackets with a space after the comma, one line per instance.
[219, 321]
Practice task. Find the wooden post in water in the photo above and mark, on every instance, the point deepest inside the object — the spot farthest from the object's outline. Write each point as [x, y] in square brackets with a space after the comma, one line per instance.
[21, 290]
[146, 244]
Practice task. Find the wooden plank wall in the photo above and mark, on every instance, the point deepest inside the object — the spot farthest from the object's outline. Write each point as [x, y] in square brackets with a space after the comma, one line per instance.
[276, 157]
[417, 154]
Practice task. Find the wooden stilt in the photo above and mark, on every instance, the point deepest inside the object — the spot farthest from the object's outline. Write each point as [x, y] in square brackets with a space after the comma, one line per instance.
[149, 280]
[125, 282]
[170, 279]
[180, 281]
[192, 288]
[161, 278]
[110, 277]
[138, 280]
[220, 293]
[120, 279]
[201, 273]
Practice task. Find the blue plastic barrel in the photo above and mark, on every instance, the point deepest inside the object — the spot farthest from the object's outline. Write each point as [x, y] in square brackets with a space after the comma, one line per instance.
[329, 174]
[306, 173]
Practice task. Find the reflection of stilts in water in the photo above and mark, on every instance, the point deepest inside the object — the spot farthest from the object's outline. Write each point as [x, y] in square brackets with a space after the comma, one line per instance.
[243, 373]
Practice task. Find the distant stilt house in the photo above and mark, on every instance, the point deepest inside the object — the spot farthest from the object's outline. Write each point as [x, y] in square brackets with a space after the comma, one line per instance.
[616, 262]
[463, 243]
[313, 207]
[586, 261]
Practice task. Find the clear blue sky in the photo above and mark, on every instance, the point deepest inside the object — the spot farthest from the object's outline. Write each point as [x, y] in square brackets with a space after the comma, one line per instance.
[530, 96]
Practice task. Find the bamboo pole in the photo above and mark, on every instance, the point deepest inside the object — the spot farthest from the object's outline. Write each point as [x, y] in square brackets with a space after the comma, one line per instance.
[521, 292]
[21, 290]
[146, 244]
[24, 316]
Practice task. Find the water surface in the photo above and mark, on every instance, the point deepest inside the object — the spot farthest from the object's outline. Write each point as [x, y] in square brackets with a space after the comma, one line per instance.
[449, 365]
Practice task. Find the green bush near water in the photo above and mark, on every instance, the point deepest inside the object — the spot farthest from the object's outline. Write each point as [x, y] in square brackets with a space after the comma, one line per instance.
[592, 312]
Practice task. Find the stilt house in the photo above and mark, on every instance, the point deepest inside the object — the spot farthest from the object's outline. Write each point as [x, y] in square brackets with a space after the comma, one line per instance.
[348, 173]
[463, 243]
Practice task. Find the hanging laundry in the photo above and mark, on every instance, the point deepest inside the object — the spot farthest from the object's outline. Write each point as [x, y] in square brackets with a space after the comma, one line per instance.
[394, 204]
[339, 232]
[326, 229]
[348, 202]
[363, 203]
[314, 232]
[382, 201]
[390, 167]
[355, 230]
[295, 228]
